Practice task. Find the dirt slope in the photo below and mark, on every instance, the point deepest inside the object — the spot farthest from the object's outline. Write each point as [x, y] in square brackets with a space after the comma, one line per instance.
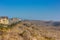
[28, 31]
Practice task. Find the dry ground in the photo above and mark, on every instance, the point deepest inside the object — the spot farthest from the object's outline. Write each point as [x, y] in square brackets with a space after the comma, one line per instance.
[29, 31]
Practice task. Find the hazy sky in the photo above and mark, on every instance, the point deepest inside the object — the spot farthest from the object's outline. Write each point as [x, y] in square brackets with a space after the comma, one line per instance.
[31, 9]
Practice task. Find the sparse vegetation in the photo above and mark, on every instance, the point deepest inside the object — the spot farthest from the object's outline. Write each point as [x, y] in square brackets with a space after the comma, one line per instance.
[28, 31]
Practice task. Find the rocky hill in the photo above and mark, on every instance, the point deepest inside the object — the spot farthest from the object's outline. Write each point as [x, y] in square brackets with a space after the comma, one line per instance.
[29, 31]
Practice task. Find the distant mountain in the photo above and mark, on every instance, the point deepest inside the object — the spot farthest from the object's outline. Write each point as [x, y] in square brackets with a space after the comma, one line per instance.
[44, 23]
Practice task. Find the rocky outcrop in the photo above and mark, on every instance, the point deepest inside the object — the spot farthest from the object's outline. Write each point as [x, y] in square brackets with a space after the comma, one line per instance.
[28, 31]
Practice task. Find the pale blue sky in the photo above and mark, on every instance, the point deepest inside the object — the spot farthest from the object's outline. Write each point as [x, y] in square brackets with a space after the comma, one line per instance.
[31, 9]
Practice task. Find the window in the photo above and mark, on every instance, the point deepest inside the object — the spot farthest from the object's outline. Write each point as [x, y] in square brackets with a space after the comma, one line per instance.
[3, 20]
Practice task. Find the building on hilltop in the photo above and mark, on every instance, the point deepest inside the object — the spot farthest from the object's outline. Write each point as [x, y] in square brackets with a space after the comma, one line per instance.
[4, 20]
[14, 20]
[7, 21]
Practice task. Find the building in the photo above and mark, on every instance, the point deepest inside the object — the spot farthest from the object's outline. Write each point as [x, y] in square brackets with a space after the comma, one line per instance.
[14, 20]
[8, 21]
[4, 20]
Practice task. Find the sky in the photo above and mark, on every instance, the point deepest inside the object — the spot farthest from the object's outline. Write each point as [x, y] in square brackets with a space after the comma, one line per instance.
[31, 9]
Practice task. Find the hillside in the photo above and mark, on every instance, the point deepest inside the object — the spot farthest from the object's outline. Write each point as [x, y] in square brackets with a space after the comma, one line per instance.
[29, 31]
